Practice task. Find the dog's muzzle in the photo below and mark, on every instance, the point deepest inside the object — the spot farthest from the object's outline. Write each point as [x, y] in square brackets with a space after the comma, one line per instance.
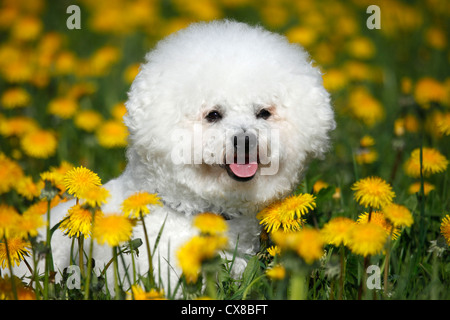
[243, 164]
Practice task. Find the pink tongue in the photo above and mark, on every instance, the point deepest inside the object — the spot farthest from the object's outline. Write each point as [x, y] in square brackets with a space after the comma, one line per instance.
[244, 170]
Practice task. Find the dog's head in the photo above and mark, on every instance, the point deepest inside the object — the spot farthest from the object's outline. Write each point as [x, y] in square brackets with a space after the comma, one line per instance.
[224, 117]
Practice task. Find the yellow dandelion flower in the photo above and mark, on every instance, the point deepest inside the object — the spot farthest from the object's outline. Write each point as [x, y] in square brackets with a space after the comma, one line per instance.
[17, 126]
[200, 10]
[361, 48]
[88, 120]
[38, 208]
[358, 71]
[364, 107]
[64, 108]
[140, 294]
[367, 141]
[366, 156]
[276, 273]
[286, 213]
[310, 245]
[197, 250]
[8, 220]
[103, 59]
[56, 175]
[41, 207]
[412, 124]
[190, 260]
[131, 72]
[415, 188]
[302, 35]
[336, 231]
[118, 111]
[409, 123]
[398, 215]
[428, 90]
[432, 162]
[7, 15]
[284, 240]
[27, 188]
[113, 229]
[274, 250]
[39, 144]
[319, 185]
[379, 218]
[307, 243]
[366, 239]
[112, 134]
[210, 223]
[337, 194]
[95, 196]
[272, 219]
[78, 222]
[445, 228]
[335, 80]
[54, 178]
[373, 192]
[29, 223]
[138, 203]
[65, 63]
[63, 168]
[432, 120]
[25, 293]
[80, 179]
[298, 205]
[26, 28]
[406, 85]
[6, 292]
[14, 98]
[10, 171]
[443, 124]
[399, 127]
[436, 38]
[18, 71]
[17, 248]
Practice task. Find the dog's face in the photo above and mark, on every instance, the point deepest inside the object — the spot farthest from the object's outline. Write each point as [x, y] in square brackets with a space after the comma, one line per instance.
[227, 114]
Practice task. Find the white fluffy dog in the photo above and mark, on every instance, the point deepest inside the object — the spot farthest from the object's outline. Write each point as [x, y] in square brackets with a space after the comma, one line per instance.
[223, 117]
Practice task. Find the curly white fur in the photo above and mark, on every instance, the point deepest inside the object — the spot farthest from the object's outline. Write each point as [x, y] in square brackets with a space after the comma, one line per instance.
[218, 65]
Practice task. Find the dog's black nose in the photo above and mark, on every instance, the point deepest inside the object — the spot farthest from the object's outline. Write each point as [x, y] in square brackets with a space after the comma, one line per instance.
[244, 141]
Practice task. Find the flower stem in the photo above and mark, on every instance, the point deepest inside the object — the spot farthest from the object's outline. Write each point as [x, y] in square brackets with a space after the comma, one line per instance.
[422, 231]
[342, 273]
[89, 265]
[211, 286]
[362, 286]
[80, 254]
[147, 243]
[298, 286]
[386, 265]
[133, 263]
[34, 275]
[115, 267]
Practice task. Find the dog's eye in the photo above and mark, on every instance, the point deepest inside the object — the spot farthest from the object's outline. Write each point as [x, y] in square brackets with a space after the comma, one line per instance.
[213, 116]
[263, 114]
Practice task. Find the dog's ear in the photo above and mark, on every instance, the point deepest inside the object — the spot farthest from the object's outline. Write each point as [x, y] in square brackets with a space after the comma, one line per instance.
[141, 106]
[323, 115]
[311, 113]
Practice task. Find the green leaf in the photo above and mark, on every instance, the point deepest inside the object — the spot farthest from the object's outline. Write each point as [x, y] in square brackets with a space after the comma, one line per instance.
[251, 272]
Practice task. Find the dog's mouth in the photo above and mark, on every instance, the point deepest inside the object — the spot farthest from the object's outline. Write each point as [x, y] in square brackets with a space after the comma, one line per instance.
[242, 171]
